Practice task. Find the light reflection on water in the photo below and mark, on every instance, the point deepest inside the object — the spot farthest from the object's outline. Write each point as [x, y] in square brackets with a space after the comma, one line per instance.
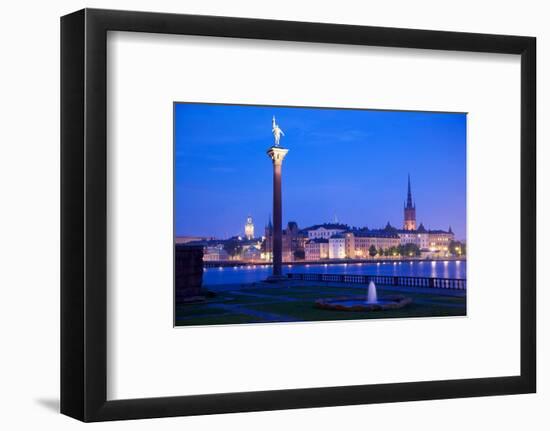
[251, 274]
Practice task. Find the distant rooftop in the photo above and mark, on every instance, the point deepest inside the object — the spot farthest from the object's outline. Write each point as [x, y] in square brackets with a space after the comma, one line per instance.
[422, 229]
[374, 233]
[327, 226]
[390, 231]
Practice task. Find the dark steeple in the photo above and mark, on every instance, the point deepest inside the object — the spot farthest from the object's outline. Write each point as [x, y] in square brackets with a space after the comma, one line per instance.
[409, 222]
[409, 194]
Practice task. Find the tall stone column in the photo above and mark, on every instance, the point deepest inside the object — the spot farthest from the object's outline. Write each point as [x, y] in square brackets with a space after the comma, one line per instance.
[277, 154]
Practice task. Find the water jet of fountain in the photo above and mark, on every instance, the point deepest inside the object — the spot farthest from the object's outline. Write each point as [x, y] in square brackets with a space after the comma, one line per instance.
[371, 293]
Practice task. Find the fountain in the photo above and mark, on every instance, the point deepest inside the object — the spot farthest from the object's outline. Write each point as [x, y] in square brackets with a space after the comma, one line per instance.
[371, 293]
[372, 303]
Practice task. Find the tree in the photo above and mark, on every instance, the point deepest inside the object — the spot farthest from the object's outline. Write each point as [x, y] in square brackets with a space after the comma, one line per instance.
[409, 250]
[300, 254]
[372, 251]
[457, 248]
[380, 251]
[232, 247]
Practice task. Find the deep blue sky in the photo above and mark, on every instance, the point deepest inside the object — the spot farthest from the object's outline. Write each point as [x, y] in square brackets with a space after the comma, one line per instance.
[349, 164]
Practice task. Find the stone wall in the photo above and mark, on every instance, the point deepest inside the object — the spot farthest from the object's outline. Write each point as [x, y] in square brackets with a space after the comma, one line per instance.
[189, 269]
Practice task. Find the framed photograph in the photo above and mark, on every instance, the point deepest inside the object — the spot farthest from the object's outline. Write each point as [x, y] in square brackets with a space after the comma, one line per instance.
[262, 215]
[327, 259]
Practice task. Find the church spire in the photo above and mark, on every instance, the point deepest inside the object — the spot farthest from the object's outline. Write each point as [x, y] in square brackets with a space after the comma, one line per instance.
[409, 222]
[409, 194]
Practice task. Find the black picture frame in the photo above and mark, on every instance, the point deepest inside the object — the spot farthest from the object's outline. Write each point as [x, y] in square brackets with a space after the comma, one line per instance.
[84, 214]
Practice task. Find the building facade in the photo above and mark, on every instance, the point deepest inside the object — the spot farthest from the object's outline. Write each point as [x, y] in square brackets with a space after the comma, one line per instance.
[427, 240]
[215, 253]
[360, 241]
[292, 241]
[337, 247]
[316, 249]
[325, 230]
[439, 240]
[249, 228]
[251, 253]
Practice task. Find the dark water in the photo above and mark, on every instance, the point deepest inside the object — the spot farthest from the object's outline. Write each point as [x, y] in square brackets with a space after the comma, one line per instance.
[441, 269]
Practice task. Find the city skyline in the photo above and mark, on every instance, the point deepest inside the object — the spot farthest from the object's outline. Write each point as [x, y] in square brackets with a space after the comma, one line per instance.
[349, 164]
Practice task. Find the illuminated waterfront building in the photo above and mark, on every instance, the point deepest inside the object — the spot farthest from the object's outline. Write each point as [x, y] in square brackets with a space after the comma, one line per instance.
[251, 253]
[325, 230]
[215, 253]
[358, 242]
[427, 240]
[249, 228]
[292, 241]
[316, 249]
[439, 240]
[337, 247]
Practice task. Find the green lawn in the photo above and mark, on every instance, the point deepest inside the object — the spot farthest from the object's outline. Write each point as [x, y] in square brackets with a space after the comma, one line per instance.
[268, 303]
[229, 319]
